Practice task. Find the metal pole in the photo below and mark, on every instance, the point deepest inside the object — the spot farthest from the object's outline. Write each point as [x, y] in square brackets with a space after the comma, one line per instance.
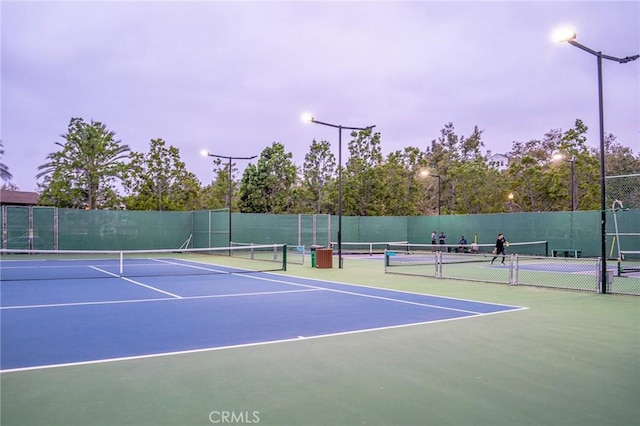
[573, 184]
[340, 127]
[603, 201]
[439, 194]
[340, 196]
[603, 192]
[230, 195]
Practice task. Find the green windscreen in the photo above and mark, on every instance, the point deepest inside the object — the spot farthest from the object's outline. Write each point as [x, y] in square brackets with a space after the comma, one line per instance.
[49, 228]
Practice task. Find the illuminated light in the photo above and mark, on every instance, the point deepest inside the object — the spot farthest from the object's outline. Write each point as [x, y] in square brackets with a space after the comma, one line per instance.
[563, 34]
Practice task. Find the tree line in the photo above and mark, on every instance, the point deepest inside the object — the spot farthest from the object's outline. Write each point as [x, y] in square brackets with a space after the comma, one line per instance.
[449, 174]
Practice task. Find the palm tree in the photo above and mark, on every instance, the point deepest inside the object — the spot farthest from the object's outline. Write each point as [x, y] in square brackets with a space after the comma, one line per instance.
[4, 170]
[89, 159]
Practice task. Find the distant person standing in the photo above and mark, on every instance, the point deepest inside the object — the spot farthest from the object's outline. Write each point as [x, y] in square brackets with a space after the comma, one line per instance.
[434, 237]
[499, 248]
[442, 238]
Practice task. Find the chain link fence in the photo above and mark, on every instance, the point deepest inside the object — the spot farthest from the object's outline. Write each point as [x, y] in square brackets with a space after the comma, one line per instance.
[623, 188]
[623, 227]
[569, 273]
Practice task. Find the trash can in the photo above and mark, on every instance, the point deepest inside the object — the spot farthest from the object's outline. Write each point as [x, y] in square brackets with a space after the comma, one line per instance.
[324, 258]
[313, 255]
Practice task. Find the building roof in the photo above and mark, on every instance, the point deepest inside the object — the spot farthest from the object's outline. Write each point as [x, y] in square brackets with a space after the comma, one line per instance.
[18, 198]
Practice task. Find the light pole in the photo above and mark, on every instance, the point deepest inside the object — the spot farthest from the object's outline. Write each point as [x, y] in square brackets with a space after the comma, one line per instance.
[513, 205]
[572, 161]
[569, 36]
[426, 173]
[230, 193]
[309, 118]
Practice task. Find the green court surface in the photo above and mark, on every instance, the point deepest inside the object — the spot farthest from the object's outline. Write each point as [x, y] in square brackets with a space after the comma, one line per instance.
[571, 358]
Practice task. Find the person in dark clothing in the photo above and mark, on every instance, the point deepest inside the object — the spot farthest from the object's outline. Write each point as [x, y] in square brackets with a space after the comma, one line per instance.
[462, 244]
[499, 248]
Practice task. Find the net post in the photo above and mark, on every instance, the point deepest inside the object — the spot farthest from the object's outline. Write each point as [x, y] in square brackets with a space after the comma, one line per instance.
[121, 263]
[284, 257]
[546, 248]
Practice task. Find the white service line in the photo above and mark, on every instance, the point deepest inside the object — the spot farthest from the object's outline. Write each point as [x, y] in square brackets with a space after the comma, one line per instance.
[137, 283]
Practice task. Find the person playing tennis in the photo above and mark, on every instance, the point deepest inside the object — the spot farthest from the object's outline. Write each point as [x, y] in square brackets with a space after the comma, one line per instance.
[499, 248]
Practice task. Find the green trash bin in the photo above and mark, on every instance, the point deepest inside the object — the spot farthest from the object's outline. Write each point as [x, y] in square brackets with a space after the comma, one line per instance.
[313, 255]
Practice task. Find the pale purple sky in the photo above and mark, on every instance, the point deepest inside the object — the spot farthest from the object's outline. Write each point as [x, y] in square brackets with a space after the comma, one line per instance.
[233, 77]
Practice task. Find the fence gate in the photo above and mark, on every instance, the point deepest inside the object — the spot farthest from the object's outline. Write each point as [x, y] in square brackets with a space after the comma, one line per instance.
[29, 228]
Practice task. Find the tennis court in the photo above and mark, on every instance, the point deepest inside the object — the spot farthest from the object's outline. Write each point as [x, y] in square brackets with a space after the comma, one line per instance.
[224, 339]
[191, 306]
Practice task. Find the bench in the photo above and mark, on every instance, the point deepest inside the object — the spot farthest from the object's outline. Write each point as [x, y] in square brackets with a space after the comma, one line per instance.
[566, 253]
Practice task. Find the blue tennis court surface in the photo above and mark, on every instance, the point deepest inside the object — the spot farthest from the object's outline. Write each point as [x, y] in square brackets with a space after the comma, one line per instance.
[58, 322]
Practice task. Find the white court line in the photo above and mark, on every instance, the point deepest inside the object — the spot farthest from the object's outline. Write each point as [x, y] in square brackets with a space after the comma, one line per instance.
[308, 287]
[212, 269]
[515, 307]
[113, 302]
[344, 291]
[245, 345]
[136, 282]
[390, 299]
[289, 283]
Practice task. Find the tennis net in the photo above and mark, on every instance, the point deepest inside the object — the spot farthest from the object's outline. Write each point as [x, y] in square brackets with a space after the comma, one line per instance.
[628, 262]
[295, 253]
[19, 265]
[530, 248]
[369, 248]
[425, 259]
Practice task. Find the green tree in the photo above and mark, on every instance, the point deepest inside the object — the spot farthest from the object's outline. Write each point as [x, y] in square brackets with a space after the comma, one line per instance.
[216, 194]
[316, 193]
[476, 188]
[4, 170]
[84, 170]
[470, 147]
[361, 178]
[404, 185]
[267, 187]
[159, 180]
[444, 158]
[542, 184]
[619, 160]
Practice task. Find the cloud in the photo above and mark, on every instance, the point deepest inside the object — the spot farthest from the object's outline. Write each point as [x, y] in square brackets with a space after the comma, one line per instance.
[235, 76]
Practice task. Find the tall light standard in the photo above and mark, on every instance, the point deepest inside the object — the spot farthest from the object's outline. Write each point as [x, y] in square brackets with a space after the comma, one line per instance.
[572, 161]
[205, 153]
[309, 118]
[569, 36]
[426, 173]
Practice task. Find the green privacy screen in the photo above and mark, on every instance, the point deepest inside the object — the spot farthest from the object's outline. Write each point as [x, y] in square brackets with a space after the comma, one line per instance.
[49, 228]
[52, 228]
[563, 230]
